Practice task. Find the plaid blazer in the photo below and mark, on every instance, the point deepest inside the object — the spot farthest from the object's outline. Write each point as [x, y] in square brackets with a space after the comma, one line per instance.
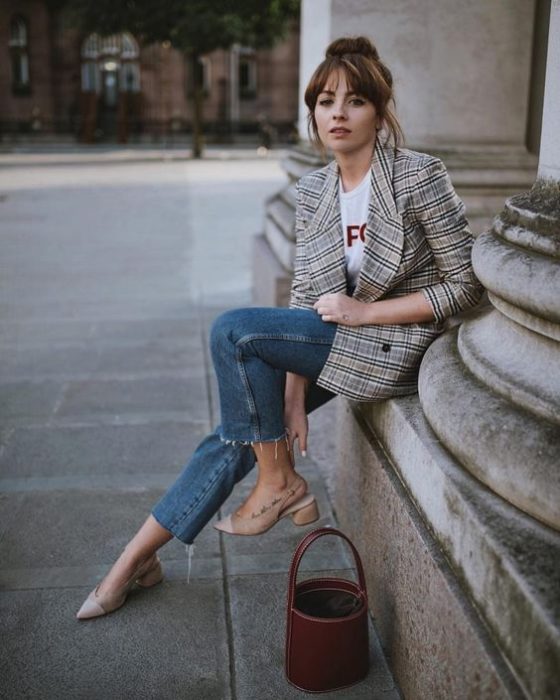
[417, 239]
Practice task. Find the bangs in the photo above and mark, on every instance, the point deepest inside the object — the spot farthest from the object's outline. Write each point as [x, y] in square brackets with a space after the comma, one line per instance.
[367, 77]
[358, 77]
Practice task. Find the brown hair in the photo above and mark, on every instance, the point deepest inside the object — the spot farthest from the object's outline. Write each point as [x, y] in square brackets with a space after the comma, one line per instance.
[367, 76]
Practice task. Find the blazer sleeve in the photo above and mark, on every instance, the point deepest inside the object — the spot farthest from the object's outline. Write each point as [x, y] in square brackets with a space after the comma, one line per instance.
[301, 294]
[441, 214]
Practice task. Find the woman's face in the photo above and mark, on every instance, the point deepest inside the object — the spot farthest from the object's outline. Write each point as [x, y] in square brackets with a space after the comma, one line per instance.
[346, 122]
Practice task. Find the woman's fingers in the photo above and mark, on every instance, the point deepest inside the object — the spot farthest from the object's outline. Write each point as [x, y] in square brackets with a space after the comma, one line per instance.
[332, 308]
[302, 444]
[338, 308]
[299, 434]
[291, 435]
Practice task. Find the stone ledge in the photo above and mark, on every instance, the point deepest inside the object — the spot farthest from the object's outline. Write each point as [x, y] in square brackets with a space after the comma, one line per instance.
[271, 282]
[506, 561]
[436, 642]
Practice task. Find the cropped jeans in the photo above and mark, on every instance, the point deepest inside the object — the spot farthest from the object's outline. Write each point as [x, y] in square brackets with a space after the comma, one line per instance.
[252, 349]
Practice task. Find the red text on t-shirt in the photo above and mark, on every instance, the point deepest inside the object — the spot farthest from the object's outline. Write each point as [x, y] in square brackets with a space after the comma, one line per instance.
[354, 232]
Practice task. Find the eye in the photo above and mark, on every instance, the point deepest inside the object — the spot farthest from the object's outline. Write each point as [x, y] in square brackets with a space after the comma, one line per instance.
[358, 101]
[325, 101]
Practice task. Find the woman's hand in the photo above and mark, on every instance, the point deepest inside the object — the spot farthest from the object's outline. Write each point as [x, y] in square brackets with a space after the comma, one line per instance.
[295, 420]
[295, 417]
[341, 309]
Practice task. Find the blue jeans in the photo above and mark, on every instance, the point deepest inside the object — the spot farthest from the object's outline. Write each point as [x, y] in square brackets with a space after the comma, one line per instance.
[252, 349]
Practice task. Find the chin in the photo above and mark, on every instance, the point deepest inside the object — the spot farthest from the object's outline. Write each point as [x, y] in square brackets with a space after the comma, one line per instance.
[343, 148]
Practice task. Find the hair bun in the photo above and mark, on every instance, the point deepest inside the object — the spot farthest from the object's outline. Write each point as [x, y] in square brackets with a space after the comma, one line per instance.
[356, 45]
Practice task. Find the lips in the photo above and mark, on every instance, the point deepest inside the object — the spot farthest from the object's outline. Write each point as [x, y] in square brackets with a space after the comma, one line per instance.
[339, 130]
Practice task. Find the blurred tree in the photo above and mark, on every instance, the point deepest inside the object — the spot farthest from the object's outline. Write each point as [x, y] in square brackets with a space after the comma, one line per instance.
[195, 27]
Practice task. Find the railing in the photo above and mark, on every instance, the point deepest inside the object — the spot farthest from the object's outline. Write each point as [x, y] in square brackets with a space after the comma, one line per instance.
[132, 122]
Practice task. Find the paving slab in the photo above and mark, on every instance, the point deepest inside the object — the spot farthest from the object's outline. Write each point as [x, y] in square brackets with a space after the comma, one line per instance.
[26, 402]
[44, 362]
[72, 528]
[95, 360]
[258, 614]
[185, 328]
[150, 648]
[137, 396]
[72, 577]
[154, 447]
[127, 483]
[60, 308]
[24, 331]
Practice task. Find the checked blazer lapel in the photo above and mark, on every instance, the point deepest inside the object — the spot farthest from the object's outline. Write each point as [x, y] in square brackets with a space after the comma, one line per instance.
[384, 232]
[324, 241]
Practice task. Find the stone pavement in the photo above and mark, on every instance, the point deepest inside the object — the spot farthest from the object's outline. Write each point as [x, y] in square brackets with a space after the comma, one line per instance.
[109, 278]
[18, 155]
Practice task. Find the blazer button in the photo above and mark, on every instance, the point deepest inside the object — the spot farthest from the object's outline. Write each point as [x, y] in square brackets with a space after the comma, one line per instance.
[385, 347]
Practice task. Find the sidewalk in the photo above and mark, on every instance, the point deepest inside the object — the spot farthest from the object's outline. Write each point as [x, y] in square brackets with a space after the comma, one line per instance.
[101, 401]
[16, 155]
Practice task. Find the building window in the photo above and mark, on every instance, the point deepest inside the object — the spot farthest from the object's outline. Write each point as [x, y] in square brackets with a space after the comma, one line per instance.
[123, 45]
[90, 77]
[247, 74]
[202, 75]
[110, 65]
[130, 77]
[19, 54]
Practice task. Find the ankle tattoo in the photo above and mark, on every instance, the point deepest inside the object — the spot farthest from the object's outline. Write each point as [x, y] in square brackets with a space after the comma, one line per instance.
[275, 501]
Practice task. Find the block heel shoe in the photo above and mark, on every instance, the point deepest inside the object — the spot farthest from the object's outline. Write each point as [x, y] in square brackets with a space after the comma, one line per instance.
[293, 501]
[152, 577]
[306, 514]
[95, 605]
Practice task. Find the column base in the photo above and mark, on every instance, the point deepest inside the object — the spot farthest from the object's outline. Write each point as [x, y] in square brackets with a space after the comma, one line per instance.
[271, 282]
[461, 584]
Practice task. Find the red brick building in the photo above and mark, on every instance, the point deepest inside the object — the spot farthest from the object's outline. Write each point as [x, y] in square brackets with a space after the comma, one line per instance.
[53, 80]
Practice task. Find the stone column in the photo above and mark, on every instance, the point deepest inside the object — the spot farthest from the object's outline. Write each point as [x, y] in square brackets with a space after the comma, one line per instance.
[549, 158]
[491, 393]
[510, 412]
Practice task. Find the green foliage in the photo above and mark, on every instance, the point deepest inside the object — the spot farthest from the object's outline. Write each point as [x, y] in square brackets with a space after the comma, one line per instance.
[193, 26]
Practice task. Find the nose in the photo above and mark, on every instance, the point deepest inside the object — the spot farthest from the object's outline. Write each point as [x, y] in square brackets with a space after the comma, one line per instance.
[339, 111]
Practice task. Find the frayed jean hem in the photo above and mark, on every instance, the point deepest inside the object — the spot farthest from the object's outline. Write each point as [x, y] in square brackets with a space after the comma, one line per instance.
[256, 440]
[172, 530]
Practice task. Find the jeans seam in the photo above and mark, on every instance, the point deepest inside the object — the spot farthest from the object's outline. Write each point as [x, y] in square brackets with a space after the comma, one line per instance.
[245, 340]
[298, 338]
[248, 395]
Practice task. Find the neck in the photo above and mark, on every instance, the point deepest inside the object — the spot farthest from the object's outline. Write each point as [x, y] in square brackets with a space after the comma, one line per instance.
[353, 167]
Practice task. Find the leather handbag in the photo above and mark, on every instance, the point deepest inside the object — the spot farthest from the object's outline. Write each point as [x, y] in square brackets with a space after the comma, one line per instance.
[327, 627]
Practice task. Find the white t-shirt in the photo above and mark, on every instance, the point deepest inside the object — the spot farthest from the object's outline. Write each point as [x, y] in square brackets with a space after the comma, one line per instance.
[354, 212]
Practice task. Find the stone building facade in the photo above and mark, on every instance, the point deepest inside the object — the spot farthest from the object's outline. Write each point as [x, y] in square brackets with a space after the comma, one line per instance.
[53, 80]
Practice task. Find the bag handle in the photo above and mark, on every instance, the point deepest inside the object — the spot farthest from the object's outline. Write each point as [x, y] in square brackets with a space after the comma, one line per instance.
[305, 543]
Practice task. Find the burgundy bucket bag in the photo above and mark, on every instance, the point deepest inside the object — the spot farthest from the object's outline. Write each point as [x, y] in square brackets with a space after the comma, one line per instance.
[327, 627]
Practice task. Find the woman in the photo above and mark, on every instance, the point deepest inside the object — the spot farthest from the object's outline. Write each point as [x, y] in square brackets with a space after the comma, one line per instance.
[382, 258]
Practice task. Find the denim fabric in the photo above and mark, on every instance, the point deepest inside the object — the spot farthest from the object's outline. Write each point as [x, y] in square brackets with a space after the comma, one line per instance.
[252, 349]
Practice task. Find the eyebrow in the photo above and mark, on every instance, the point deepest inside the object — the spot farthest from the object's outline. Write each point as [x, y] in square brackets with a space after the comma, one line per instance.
[331, 92]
